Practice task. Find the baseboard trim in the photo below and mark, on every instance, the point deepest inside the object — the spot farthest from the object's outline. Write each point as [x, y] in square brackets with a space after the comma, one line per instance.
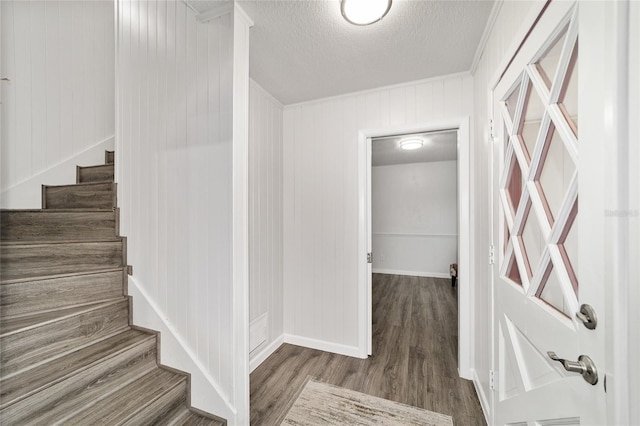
[484, 402]
[322, 345]
[206, 393]
[262, 355]
[411, 273]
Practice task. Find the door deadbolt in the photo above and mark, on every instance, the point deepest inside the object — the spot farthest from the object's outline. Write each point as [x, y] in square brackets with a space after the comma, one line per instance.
[588, 316]
[584, 366]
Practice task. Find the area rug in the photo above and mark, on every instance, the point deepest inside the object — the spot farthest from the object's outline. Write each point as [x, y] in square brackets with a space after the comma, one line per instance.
[324, 404]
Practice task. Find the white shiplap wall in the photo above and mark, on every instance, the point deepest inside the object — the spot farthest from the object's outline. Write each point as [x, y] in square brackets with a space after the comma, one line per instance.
[414, 214]
[501, 43]
[174, 169]
[59, 102]
[321, 199]
[265, 218]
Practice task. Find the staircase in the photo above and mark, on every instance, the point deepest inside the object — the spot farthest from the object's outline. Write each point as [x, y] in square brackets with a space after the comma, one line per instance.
[69, 353]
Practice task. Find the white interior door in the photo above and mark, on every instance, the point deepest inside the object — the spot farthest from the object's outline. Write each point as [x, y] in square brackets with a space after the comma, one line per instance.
[545, 238]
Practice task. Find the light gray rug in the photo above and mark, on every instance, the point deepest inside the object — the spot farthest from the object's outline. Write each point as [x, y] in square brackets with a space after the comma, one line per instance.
[324, 404]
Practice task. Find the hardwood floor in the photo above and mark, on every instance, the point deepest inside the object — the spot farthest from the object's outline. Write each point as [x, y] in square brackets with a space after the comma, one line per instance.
[415, 345]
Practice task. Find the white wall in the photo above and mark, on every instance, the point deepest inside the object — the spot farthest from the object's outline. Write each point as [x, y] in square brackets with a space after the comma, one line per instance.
[265, 220]
[414, 211]
[175, 150]
[321, 199]
[59, 102]
[501, 42]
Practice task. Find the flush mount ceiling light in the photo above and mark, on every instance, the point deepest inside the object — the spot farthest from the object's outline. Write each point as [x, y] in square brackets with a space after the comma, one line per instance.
[364, 12]
[410, 144]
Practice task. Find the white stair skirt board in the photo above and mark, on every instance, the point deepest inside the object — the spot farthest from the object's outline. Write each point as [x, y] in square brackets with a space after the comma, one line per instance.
[28, 194]
[323, 345]
[261, 355]
[206, 394]
[412, 273]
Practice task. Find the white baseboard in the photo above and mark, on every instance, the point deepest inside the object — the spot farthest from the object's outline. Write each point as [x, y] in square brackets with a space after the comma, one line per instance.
[322, 345]
[484, 402]
[28, 193]
[412, 273]
[263, 354]
[205, 392]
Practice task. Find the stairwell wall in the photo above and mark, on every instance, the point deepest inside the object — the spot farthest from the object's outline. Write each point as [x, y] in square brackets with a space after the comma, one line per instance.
[58, 101]
[175, 164]
[266, 297]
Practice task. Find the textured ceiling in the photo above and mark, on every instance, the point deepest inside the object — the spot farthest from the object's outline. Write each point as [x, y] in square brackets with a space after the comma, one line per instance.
[303, 49]
[438, 146]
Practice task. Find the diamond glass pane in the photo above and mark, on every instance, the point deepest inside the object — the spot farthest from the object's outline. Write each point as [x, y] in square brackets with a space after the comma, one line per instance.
[551, 292]
[512, 102]
[554, 177]
[507, 236]
[547, 65]
[533, 242]
[569, 94]
[515, 183]
[532, 117]
[512, 271]
[569, 250]
[505, 139]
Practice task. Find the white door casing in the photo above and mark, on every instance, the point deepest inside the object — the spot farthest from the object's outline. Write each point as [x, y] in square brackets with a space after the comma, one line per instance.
[545, 268]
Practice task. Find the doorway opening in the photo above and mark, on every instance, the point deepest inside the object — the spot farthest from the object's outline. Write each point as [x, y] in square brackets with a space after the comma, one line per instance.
[382, 261]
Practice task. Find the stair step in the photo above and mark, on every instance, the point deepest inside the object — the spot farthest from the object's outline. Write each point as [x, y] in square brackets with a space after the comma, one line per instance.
[141, 402]
[30, 340]
[43, 294]
[57, 225]
[109, 157]
[182, 415]
[101, 173]
[52, 258]
[79, 391]
[79, 196]
[77, 369]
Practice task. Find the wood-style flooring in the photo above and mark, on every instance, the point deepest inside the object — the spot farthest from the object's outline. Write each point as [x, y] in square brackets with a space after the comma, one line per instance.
[415, 346]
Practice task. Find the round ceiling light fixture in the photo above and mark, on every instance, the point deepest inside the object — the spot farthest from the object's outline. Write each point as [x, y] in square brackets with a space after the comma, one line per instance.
[410, 144]
[364, 12]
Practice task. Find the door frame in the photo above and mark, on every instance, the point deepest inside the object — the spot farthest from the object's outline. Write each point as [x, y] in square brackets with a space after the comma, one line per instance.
[465, 226]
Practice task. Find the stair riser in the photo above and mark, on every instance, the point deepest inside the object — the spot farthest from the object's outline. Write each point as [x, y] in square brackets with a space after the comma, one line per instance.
[57, 226]
[43, 295]
[23, 349]
[94, 196]
[47, 406]
[23, 261]
[103, 173]
[109, 157]
[160, 408]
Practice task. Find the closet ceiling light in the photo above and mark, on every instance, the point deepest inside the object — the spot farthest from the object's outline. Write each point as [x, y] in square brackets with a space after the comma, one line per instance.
[411, 144]
[364, 12]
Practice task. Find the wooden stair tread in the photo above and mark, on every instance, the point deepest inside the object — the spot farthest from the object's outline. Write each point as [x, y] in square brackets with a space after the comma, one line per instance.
[25, 384]
[53, 276]
[37, 259]
[57, 225]
[124, 403]
[195, 419]
[15, 325]
[33, 344]
[99, 173]
[79, 195]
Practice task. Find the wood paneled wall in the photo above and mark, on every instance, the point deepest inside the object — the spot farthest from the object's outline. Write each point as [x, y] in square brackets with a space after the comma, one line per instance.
[59, 58]
[174, 168]
[501, 39]
[321, 197]
[265, 212]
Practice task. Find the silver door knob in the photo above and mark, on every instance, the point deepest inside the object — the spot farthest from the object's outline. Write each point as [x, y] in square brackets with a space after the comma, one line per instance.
[584, 366]
[588, 316]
